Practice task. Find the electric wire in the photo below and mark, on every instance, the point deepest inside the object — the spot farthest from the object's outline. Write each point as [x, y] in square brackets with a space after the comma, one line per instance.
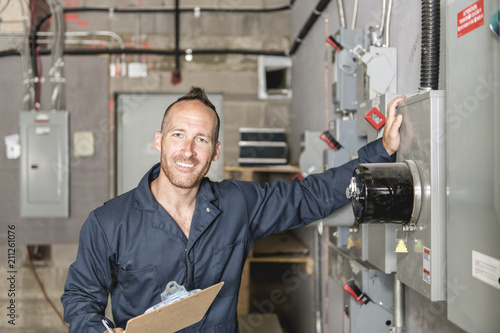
[128, 10]
[382, 19]
[35, 274]
[177, 71]
[354, 14]
[326, 71]
[162, 52]
[91, 42]
[56, 71]
[177, 10]
[29, 92]
[388, 24]
[340, 5]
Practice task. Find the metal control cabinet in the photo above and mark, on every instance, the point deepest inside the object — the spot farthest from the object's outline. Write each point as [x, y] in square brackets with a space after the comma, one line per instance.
[376, 315]
[44, 175]
[346, 62]
[423, 140]
[473, 142]
[379, 240]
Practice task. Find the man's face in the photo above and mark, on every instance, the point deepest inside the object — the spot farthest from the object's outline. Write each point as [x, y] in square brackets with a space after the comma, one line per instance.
[186, 144]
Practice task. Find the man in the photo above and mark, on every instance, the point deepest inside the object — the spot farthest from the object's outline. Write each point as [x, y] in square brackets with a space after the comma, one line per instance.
[179, 226]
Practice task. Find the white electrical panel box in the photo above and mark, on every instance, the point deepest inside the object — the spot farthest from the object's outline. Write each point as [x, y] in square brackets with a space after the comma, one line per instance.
[44, 166]
[423, 267]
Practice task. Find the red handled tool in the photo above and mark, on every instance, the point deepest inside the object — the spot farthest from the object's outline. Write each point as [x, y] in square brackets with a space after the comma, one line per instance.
[358, 295]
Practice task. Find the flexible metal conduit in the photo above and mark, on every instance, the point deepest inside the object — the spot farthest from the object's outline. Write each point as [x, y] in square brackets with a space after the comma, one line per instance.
[429, 63]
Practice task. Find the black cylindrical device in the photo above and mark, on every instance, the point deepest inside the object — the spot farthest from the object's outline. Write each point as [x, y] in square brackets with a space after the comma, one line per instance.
[385, 192]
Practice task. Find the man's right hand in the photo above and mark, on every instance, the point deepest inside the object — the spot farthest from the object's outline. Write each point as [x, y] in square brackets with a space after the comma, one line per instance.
[391, 138]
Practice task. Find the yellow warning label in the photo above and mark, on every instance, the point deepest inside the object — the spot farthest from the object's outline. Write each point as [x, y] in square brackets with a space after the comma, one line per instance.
[401, 247]
[350, 243]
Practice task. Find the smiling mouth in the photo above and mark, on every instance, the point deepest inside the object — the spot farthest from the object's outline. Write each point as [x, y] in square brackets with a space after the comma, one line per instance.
[185, 165]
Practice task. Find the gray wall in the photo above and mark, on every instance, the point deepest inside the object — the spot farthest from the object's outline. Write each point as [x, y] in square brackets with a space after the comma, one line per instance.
[89, 90]
[308, 72]
[89, 99]
[87, 102]
[309, 111]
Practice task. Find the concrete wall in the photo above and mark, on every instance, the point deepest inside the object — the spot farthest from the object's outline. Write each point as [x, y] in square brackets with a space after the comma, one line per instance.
[89, 96]
[233, 75]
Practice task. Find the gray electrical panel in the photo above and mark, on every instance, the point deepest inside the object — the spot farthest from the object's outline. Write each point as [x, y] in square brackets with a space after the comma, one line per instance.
[347, 64]
[473, 142]
[44, 173]
[376, 315]
[379, 240]
[423, 267]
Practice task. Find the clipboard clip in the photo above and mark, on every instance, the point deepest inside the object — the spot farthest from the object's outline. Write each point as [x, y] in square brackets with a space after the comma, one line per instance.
[173, 293]
[172, 290]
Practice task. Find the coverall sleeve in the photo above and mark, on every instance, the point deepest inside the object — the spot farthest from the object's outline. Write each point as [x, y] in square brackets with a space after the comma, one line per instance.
[89, 280]
[279, 206]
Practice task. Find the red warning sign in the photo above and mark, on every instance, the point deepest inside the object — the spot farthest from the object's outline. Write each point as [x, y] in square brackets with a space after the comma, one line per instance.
[470, 18]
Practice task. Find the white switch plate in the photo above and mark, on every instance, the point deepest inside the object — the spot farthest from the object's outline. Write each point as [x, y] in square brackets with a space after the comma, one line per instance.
[83, 144]
[12, 146]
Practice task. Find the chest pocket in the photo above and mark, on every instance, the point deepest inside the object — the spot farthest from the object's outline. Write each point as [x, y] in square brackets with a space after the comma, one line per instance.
[139, 289]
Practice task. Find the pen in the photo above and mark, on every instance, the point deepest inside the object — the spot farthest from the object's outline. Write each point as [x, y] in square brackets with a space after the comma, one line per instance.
[105, 323]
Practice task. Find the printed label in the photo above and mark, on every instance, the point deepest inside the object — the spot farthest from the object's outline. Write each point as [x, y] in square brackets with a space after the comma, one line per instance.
[486, 269]
[426, 256]
[470, 18]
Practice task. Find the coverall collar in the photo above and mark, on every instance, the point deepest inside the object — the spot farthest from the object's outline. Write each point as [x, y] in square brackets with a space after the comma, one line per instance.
[205, 211]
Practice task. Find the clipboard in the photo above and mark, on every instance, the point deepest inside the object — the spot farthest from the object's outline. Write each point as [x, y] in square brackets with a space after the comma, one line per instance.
[172, 317]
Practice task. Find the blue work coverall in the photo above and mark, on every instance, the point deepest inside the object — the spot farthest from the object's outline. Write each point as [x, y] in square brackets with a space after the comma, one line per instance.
[130, 247]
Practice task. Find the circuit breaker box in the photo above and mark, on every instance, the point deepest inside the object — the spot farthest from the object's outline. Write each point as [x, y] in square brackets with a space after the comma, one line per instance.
[44, 165]
[473, 153]
[423, 267]
[412, 195]
[376, 315]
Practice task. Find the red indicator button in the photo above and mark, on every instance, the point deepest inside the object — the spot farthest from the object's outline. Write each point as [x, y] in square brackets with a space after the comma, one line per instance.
[375, 118]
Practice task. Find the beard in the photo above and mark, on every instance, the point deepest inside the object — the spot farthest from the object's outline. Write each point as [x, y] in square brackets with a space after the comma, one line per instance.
[181, 179]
